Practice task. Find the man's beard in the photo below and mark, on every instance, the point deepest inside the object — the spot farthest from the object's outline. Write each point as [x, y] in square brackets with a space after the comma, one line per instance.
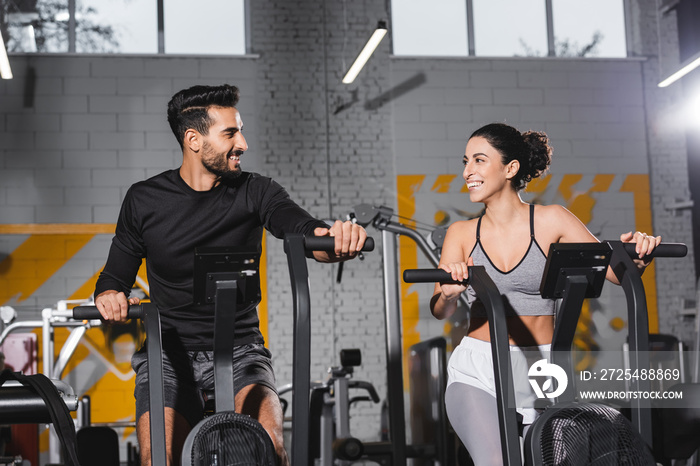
[217, 164]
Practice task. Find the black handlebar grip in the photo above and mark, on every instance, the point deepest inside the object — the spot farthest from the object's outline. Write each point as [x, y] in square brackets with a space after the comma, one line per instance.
[327, 243]
[662, 250]
[86, 313]
[429, 276]
[91, 313]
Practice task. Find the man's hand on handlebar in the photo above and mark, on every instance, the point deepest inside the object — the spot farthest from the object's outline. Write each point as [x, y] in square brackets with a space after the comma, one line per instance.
[645, 244]
[113, 305]
[349, 240]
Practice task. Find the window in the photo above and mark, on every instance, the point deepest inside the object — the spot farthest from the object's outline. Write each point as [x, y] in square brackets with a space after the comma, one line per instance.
[503, 28]
[116, 26]
[581, 30]
[437, 28]
[43, 28]
[584, 28]
[127, 26]
[219, 27]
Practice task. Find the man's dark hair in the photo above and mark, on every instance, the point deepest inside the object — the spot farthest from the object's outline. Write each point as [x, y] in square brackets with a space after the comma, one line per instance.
[189, 108]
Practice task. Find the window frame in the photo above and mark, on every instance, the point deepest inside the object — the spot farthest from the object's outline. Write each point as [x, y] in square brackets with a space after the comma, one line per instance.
[161, 26]
[551, 49]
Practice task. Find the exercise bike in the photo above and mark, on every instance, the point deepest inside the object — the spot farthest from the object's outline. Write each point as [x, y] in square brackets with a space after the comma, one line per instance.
[226, 277]
[330, 438]
[223, 277]
[578, 272]
[432, 441]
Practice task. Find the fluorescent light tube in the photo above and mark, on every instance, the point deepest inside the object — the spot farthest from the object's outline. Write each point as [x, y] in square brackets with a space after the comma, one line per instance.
[686, 68]
[366, 52]
[5, 70]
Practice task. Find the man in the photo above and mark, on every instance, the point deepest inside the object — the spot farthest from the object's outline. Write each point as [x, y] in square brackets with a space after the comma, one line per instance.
[208, 201]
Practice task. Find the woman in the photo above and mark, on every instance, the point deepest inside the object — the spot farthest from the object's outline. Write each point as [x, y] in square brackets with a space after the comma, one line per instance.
[510, 240]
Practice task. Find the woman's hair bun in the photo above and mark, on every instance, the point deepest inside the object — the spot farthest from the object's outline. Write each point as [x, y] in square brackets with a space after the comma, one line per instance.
[539, 153]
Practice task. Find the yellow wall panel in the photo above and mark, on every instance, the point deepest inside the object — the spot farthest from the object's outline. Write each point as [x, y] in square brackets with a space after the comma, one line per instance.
[104, 350]
[34, 262]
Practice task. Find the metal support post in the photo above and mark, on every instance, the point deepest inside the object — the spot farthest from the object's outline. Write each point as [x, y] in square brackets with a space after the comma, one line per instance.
[394, 350]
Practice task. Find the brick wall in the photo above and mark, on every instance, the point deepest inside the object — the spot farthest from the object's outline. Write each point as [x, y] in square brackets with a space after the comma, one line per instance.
[330, 160]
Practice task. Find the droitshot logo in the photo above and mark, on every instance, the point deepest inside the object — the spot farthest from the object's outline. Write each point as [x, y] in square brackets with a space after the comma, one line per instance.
[544, 372]
[606, 381]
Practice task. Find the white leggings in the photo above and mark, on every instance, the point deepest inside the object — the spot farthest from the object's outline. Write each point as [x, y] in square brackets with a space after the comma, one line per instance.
[474, 417]
[470, 398]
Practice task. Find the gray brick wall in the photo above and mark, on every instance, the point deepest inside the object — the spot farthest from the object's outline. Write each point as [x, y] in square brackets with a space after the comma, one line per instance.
[330, 162]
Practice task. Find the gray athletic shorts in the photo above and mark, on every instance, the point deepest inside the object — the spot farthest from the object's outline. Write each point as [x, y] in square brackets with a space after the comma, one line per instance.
[186, 374]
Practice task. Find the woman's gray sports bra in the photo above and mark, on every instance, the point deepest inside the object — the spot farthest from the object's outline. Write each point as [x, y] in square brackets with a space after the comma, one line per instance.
[519, 287]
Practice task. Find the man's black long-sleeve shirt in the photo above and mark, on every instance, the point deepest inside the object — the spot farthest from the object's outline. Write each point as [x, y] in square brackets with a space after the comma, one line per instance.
[163, 220]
